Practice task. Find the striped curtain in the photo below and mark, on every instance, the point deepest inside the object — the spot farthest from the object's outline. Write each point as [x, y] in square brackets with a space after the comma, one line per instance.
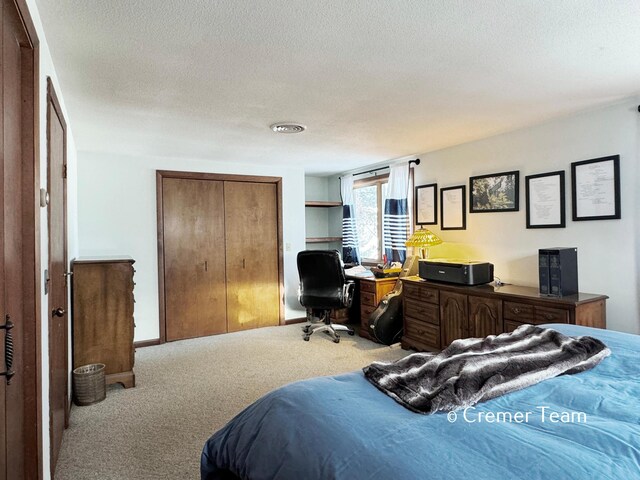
[350, 251]
[396, 214]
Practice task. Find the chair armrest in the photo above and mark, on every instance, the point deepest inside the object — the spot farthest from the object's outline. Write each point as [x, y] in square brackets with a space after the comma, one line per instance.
[347, 293]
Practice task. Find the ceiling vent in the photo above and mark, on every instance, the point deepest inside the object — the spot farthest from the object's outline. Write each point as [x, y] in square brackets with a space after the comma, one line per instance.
[288, 127]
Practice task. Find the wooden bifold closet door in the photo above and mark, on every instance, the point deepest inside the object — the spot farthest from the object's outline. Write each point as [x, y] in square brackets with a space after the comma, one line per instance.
[251, 224]
[220, 252]
[194, 256]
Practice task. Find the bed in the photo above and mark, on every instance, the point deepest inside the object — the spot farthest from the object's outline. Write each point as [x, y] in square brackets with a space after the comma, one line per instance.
[342, 427]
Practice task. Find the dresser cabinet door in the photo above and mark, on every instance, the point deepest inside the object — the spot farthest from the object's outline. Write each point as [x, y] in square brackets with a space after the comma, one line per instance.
[454, 318]
[485, 316]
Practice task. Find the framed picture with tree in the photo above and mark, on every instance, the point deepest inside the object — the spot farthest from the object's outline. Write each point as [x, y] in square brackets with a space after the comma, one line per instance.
[496, 192]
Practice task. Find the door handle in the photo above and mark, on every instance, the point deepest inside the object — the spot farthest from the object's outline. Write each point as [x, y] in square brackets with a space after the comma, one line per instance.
[8, 349]
[58, 312]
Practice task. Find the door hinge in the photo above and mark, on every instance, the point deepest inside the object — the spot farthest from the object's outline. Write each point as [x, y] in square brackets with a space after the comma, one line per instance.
[64, 171]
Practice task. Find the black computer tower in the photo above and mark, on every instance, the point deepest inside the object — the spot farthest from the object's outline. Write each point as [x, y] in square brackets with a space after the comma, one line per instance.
[558, 271]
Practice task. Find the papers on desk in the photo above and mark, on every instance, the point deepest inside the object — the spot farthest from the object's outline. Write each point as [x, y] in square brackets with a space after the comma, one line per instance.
[357, 271]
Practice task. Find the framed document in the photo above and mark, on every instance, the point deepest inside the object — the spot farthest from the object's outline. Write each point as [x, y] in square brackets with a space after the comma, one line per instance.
[497, 192]
[453, 208]
[545, 200]
[595, 189]
[426, 204]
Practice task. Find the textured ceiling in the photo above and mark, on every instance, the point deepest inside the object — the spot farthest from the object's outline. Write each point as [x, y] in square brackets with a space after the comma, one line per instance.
[372, 79]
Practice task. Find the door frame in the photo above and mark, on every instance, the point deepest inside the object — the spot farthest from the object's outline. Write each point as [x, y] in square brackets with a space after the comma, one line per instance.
[30, 193]
[162, 174]
[54, 104]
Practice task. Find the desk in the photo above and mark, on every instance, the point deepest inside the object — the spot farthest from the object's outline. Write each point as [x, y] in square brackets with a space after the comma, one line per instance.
[369, 292]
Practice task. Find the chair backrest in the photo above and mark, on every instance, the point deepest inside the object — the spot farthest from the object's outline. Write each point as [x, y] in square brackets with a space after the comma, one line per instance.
[321, 279]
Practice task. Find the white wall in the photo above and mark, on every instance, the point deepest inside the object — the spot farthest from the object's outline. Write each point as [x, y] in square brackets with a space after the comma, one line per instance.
[46, 69]
[608, 251]
[117, 215]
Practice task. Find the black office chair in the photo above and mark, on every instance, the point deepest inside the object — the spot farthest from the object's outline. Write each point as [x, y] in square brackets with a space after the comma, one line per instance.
[323, 287]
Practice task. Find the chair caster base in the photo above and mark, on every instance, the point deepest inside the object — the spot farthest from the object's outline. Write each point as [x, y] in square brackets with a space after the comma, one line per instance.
[336, 340]
[306, 338]
[351, 332]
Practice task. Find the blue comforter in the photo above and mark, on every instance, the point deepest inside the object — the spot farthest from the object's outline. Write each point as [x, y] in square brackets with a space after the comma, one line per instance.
[580, 426]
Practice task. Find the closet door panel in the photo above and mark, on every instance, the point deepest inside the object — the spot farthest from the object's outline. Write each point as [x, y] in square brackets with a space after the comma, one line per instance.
[194, 258]
[251, 225]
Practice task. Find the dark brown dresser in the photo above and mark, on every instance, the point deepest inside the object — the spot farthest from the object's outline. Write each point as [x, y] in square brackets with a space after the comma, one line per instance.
[436, 314]
[103, 316]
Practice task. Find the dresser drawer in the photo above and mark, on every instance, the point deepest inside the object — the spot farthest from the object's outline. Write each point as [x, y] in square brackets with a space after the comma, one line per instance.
[418, 292]
[410, 290]
[367, 286]
[510, 326]
[425, 312]
[422, 332]
[367, 298]
[520, 312]
[551, 315]
[430, 295]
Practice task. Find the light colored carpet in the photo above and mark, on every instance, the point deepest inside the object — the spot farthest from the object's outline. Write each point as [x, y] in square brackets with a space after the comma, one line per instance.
[187, 390]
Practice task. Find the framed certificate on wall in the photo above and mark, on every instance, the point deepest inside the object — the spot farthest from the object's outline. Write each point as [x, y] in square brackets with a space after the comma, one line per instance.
[426, 204]
[545, 200]
[453, 208]
[595, 189]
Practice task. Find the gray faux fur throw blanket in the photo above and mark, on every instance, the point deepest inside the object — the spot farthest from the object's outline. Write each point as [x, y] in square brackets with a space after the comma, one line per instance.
[473, 370]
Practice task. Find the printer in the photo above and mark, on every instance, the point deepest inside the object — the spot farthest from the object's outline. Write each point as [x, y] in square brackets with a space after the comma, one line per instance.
[461, 272]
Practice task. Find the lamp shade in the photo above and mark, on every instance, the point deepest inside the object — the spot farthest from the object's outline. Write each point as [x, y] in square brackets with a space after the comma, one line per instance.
[423, 238]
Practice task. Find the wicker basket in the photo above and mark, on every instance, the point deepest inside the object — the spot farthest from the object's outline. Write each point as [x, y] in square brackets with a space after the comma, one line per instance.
[89, 384]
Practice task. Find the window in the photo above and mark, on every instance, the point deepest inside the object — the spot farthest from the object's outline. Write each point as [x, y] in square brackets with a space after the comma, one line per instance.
[368, 198]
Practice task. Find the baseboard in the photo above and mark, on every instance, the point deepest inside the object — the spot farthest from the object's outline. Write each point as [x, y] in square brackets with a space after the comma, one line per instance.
[291, 321]
[146, 343]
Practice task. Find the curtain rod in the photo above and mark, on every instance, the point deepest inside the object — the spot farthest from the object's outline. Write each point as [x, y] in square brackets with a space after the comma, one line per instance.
[416, 161]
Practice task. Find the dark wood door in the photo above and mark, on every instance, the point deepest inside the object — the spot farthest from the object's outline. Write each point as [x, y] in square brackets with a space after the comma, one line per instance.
[12, 439]
[485, 316]
[251, 226]
[57, 282]
[194, 258]
[454, 318]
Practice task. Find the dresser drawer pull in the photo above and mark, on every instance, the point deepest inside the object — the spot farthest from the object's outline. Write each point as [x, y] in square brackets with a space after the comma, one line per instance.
[516, 310]
[549, 316]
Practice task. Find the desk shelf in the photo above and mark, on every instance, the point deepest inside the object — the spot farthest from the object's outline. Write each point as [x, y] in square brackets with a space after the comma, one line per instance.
[315, 205]
[319, 204]
[323, 239]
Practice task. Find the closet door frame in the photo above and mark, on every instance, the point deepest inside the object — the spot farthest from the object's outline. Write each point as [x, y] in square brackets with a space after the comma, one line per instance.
[160, 176]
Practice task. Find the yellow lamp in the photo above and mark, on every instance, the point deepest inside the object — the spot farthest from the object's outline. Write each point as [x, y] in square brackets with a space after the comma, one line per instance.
[423, 239]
